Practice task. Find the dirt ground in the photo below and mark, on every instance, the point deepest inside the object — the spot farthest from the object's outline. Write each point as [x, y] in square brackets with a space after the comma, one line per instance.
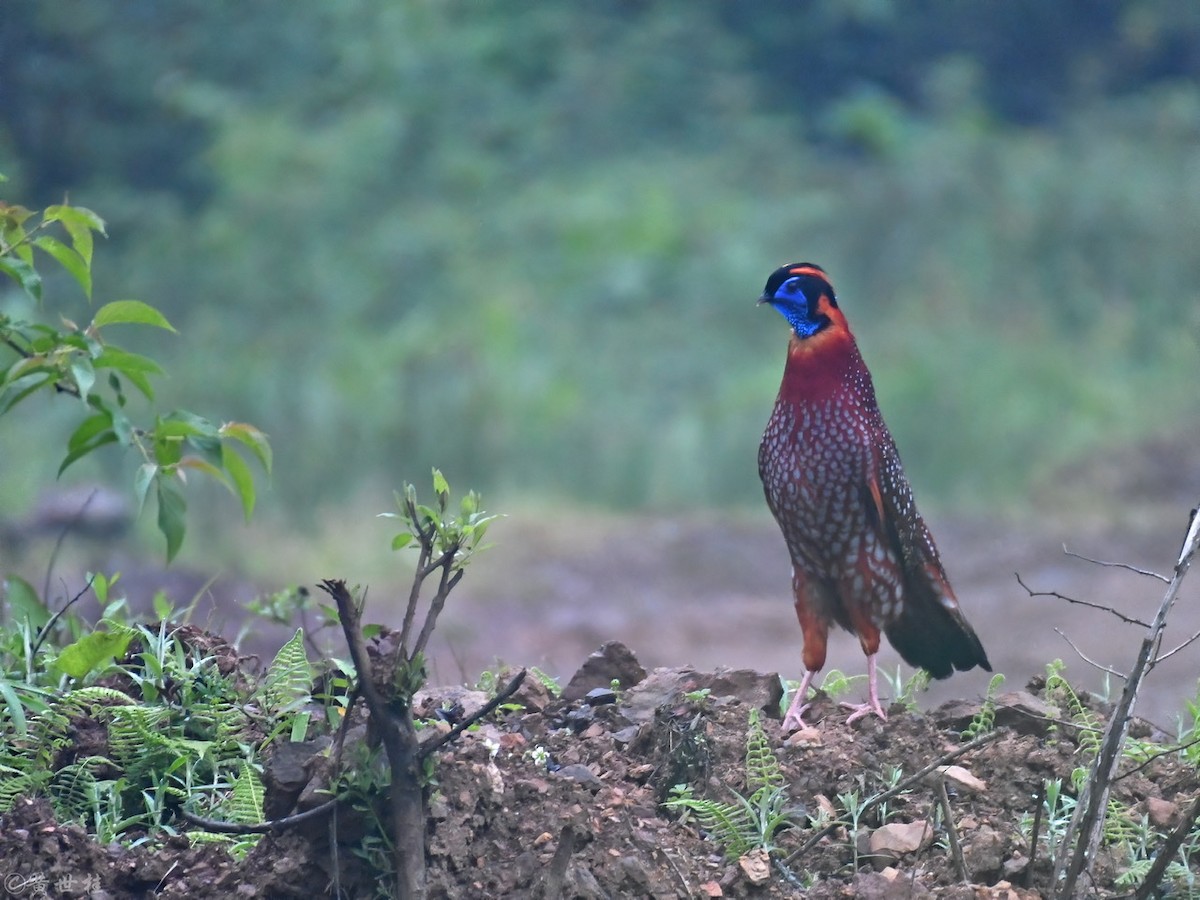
[562, 798]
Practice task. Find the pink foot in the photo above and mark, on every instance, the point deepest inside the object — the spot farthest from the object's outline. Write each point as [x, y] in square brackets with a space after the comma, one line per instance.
[858, 710]
[798, 707]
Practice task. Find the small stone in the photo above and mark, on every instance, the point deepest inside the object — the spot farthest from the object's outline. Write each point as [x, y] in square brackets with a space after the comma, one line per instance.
[626, 735]
[961, 778]
[582, 774]
[1162, 813]
[1015, 867]
[544, 838]
[711, 889]
[600, 696]
[893, 840]
[983, 854]
[756, 866]
[804, 736]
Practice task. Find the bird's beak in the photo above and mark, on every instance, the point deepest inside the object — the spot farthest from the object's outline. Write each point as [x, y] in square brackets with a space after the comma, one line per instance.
[765, 298]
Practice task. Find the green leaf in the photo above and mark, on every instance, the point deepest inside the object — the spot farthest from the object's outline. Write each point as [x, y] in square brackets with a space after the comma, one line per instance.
[69, 259]
[99, 587]
[91, 652]
[203, 465]
[24, 603]
[24, 275]
[89, 430]
[145, 476]
[171, 511]
[243, 481]
[107, 437]
[402, 540]
[16, 709]
[252, 438]
[440, 485]
[83, 375]
[130, 312]
[80, 222]
[300, 727]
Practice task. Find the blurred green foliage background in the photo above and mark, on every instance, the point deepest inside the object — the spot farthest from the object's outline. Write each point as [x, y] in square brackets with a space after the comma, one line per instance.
[522, 241]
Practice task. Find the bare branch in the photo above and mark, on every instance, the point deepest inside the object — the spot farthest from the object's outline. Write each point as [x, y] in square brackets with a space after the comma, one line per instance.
[445, 586]
[218, 827]
[1117, 565]
[1108, 609]
[434, 743]
[1090, 662]
[1172, 652]
[952, 832]
[1082, 838]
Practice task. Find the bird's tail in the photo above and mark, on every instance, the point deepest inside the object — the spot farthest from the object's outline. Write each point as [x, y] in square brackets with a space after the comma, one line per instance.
[932, 633]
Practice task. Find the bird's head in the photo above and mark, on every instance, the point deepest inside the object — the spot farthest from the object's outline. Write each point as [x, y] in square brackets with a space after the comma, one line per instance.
[802, 294]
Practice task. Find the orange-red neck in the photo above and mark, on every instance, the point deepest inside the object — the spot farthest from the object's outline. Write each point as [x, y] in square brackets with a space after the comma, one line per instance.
[822, 365]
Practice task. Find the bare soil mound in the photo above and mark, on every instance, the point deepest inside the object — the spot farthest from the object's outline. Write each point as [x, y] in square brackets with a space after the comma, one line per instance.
[563, 797]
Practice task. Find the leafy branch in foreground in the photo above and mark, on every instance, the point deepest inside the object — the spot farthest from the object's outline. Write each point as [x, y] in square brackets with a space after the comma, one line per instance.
[81, 361]
[388, 682]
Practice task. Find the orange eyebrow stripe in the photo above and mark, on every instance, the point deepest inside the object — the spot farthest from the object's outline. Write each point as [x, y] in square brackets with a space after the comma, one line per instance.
[808, 270]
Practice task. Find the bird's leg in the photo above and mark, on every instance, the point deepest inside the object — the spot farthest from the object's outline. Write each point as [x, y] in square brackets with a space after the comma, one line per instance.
[799, 705]
[858, 710]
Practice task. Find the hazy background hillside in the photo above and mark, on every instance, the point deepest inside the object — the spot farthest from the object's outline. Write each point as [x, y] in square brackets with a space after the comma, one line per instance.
[522, 241]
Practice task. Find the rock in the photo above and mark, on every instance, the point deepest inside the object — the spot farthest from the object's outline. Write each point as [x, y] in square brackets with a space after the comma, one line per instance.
[1003, 890]
[804, 736]
[613, 661]
[1015, 867]
[983, 853]
[533, 694]
[756, 866]
[582, 774]
[600, 696]
[1019, 710]
[961, 778]
[711, 889]
[286, 772]
[626, 735]
[889, 842]
[1162, 813]
[664, 687]
[1025, 713]
[887, 885]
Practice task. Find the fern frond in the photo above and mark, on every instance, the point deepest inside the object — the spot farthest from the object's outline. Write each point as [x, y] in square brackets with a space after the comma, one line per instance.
[245, 802]
[288, 681]
[762, 766]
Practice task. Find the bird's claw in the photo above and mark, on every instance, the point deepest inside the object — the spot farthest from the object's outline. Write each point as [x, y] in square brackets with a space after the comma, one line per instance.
[794, 720]
[859, 710]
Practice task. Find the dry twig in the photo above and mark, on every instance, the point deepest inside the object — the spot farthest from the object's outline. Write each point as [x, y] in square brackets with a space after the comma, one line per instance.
[1087, 824]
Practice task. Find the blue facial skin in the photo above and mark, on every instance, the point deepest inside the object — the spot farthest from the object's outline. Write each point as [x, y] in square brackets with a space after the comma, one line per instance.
[791, 303]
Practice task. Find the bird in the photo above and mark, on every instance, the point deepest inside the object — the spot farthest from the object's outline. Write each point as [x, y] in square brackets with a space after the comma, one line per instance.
[862, 556]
